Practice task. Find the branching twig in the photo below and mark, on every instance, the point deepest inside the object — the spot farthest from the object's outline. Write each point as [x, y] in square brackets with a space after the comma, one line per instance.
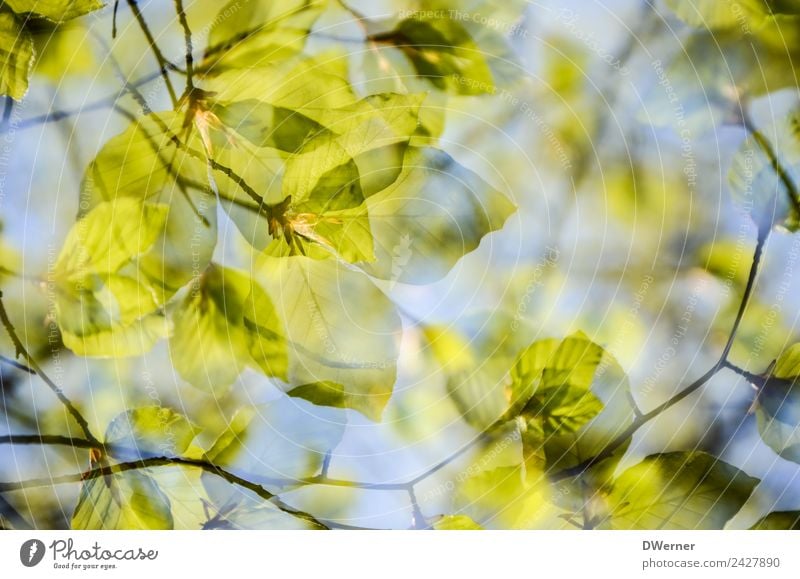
[162, 61]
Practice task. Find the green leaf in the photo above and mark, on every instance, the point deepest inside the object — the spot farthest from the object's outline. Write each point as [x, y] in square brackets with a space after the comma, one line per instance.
[109, 237]
[777, 406]
[252, 33]
[114, 317]
[340, 328]
[16, 57]
[286, 439]
[551, 380]
[678, 490]
[443, 52]
[765, 172]
[456, 523]
[779, 521]
[211, 345]
[434, 213]
[123, 501]
[55, 10]
[247, 511]
[144, 160]
[150, 431]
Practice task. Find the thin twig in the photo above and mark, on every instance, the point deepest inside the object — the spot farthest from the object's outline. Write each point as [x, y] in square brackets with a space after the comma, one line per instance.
[187, 35]
[162, 61]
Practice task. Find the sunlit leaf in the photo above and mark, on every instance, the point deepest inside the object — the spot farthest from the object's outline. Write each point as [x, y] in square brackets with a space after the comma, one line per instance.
[109, 237]
[713, 14]
[252, 33]
[678, 490]
[434, 213]
[211, 344]
[333, 338]
[16, 57]
[123, 501]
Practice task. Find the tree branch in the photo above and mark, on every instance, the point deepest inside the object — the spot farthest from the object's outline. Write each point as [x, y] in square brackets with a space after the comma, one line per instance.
[187, 36]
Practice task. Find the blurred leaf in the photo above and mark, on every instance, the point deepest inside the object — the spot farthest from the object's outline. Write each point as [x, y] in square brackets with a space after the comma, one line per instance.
[678, 490]
[248, 512]
[443, 52]
[252, 33]
[779, 521]
[55, 10]
[124, 501]
[456, 523]
[286, 439]
[504, 498]
[765, 172]
[777, 406]
[435, 213]
[16, 57]
[64, 51]
[150, 431]
[340, 328]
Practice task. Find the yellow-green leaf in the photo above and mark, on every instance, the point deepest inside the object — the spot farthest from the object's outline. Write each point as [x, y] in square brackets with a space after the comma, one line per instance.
[456, 523]
[16, 57]
[108, 237]
[678, 490]
[340, 328]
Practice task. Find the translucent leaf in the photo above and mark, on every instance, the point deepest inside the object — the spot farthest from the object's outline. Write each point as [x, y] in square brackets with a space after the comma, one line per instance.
[456, 523]
[778, 406]
[252, 33]
[340, 328]
[210, 345]
[286, 439]
[16, 57]
[149, 431]
[550, 371]
[678, 490]
[143, 160]
[63, 51]
[779, 521]
[434, 213]
[443, 52]
[108, 237]
[123, 501]
[56, 10]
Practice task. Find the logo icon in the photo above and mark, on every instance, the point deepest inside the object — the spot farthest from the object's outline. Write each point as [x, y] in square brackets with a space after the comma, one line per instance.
[31, 553]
